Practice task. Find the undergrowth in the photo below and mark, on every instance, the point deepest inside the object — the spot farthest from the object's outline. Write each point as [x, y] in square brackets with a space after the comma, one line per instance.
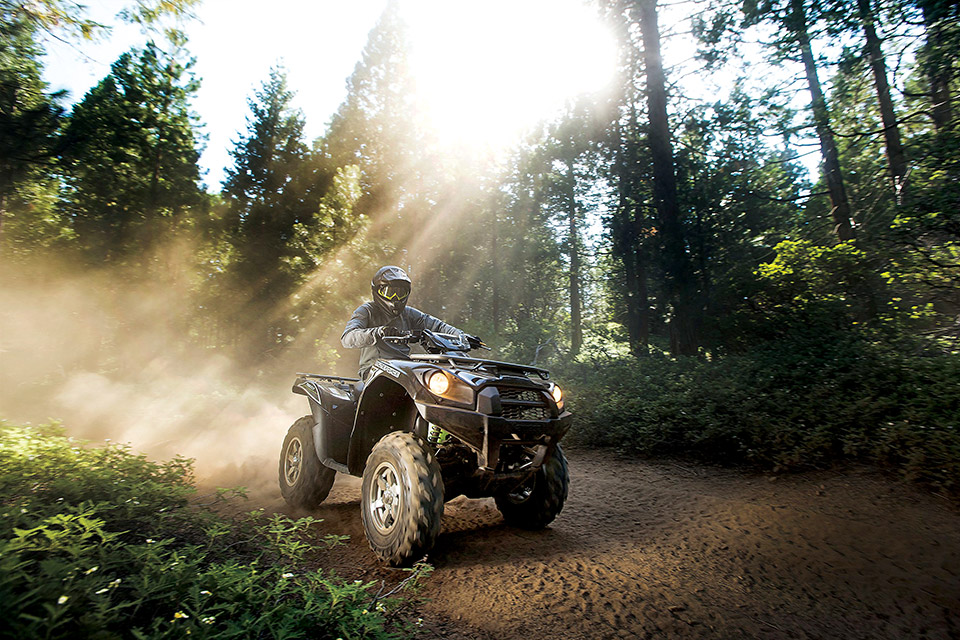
[803, 402]
[97, 542]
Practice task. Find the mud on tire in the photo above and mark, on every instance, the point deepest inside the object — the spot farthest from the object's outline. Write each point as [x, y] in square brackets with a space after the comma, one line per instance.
[304, 481]
[539, 500]
[401, 498]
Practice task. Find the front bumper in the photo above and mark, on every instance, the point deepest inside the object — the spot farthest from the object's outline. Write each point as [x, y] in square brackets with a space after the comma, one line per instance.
[485, 433]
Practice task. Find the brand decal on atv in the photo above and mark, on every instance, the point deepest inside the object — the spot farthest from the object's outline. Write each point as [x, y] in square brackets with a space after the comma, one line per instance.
[388, 369]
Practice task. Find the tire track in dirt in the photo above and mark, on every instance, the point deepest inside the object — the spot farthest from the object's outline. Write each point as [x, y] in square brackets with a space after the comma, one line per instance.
[656, 549]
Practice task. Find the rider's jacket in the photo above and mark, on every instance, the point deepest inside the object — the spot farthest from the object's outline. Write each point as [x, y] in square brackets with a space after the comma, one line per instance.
[361, 332]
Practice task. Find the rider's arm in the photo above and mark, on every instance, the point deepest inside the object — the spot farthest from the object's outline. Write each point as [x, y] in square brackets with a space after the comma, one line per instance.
[358, 332]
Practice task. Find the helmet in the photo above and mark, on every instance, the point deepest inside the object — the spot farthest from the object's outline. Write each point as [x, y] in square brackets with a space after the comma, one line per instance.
[391, 288]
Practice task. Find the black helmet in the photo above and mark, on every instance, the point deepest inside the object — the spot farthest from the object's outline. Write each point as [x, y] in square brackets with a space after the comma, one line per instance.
[391, 288]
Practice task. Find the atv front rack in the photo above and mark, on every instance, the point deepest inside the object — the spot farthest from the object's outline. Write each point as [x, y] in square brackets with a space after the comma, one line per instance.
[317, 376]
[477, 363]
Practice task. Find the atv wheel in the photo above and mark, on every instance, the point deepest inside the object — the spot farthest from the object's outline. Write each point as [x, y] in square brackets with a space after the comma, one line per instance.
[536, 502]
[304, 482]
[401, 498]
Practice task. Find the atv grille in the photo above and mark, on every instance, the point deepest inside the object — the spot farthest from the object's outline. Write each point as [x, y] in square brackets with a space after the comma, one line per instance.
[523, 404]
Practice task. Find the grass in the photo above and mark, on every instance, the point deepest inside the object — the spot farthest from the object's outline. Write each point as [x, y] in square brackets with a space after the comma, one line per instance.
[98, 542]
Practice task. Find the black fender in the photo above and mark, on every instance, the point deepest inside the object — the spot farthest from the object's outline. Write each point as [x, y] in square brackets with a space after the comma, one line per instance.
[386, 405]
[333, 405]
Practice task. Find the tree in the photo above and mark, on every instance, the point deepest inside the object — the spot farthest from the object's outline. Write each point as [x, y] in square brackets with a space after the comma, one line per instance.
[131, 154]
[793, 34]
[939, 55]
[743, 196]
[572, 168]
[630, 229]
[896, 157]
[795, 22]
[70, 18]
[272, 187]
[375, 127]
[29, 116]
[681, 287]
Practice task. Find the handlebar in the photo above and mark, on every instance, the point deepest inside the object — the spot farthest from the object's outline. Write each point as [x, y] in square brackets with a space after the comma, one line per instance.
[406, 337]
[433, 341]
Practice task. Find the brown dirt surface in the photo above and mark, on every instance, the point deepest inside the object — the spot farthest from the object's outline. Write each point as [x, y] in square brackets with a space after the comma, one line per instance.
[661, 549]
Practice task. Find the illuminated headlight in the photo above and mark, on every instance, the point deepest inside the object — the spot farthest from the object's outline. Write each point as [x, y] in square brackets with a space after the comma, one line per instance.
[438, 383]
[442, 383]
[557, 394]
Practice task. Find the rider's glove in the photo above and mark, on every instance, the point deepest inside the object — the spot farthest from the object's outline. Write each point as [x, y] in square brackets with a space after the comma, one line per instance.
[387, 331]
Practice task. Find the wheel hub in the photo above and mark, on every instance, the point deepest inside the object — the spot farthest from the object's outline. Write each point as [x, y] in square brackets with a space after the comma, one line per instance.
[293, 461]
[385, 500]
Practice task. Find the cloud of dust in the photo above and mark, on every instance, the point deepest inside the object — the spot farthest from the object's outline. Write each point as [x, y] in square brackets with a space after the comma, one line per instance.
[110, 357]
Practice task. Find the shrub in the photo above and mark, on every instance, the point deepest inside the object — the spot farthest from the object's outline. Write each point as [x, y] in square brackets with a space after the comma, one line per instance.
[801, 402]
[98, 542]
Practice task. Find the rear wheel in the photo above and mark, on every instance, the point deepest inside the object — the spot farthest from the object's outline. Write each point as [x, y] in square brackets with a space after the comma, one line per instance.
[538, 501]
[304, 481]
[401, 498]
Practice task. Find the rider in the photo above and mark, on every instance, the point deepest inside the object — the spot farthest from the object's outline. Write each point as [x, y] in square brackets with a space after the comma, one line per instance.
[387, 315]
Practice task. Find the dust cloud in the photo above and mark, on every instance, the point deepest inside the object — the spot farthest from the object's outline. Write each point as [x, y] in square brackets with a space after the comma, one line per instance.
[117, 357]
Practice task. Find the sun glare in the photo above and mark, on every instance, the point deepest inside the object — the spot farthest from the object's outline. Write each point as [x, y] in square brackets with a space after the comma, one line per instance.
[487, 71]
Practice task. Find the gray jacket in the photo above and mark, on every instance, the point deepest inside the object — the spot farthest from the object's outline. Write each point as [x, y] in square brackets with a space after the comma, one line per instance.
[361, 332]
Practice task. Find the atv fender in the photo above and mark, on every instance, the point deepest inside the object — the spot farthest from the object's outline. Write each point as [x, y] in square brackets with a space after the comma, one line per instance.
[332, 407]
[385, 406]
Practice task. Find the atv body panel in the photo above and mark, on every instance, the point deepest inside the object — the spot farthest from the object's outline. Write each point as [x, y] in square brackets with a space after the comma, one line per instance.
[333, 402]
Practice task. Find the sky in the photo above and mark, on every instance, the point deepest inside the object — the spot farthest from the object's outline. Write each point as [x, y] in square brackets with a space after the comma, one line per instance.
[487, 69]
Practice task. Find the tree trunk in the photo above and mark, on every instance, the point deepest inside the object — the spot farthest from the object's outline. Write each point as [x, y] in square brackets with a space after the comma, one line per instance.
[821, 117]
[573, 241]
[626, 228]
[679, 272]
[896, 157]
[938, 67]
[495, 273]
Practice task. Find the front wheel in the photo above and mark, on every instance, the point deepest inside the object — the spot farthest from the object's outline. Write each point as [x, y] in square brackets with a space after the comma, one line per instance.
[539, 500]
[304, 481]
[401, 498]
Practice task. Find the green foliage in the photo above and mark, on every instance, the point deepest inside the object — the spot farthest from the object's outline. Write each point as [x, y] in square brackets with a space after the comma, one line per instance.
[98, 542]
[804, 401]
[29, 119]
[804, 275]
[62, 17]
[330, 225]
[132, 154]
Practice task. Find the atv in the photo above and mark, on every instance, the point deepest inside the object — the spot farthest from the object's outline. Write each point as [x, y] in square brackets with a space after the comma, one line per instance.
[423, 431]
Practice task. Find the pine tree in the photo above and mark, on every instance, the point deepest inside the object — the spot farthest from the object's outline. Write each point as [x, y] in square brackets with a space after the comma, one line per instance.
[29, 116]
[274, 188]
[131, 154]
[376, 128]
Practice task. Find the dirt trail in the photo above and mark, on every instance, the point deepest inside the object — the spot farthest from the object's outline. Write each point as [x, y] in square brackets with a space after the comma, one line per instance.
[652, 550]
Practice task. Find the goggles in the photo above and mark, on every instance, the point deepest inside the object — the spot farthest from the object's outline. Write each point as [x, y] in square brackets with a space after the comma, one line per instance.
[393, 292]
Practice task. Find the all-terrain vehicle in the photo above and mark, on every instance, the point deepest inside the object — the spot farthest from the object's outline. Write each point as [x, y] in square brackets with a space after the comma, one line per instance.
[425, 430]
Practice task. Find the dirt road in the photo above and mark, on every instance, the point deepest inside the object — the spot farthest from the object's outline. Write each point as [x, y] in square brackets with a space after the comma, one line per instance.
[654, 550]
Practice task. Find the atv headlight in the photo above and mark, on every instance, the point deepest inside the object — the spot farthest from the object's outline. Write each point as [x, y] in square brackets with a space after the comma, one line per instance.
[444, 384]
[557, 394]
[438, 382]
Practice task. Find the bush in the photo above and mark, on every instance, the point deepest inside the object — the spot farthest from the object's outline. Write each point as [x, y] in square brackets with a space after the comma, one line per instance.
[97, 542]
[801, 402]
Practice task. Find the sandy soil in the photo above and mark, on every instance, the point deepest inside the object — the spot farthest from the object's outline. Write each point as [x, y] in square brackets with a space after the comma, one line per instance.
[652, 550]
